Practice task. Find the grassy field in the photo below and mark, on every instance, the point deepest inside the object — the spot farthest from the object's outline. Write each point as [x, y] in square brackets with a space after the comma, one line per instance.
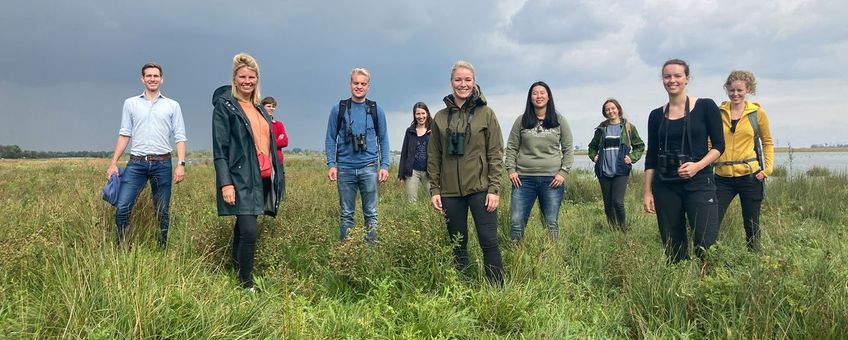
[61, 275]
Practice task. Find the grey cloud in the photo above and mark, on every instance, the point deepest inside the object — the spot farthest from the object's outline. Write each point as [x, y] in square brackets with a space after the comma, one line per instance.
[772, 38]
[558, 23]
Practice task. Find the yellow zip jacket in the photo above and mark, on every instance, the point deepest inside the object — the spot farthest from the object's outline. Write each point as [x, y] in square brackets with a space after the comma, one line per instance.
[739, 145]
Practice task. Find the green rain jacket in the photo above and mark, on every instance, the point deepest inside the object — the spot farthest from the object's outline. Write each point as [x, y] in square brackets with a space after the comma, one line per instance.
[236, 161]
[480, 167]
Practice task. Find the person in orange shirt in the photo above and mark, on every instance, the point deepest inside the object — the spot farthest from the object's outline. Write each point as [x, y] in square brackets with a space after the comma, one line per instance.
[249, 178]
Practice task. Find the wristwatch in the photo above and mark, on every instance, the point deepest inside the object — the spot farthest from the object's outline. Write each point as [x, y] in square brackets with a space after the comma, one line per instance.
[183, 163]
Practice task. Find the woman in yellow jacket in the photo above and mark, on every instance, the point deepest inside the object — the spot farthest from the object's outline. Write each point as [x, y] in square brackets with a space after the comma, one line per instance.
[748, 156]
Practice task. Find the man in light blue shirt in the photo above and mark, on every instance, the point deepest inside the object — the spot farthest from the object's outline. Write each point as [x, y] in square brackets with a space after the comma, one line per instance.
[357, 146]
[148, 123]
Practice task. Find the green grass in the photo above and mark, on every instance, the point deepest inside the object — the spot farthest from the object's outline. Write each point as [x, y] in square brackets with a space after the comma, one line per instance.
[62, 276]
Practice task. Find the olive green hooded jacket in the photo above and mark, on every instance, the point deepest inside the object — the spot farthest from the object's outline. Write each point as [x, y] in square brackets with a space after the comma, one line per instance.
[480, 167]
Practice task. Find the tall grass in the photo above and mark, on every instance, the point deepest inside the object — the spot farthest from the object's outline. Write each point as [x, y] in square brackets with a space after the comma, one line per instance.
[62, 276]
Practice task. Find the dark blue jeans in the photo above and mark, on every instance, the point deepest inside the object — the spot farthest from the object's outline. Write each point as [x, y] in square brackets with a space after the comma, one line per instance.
[135, 176]
[350, 181]
[522, 199]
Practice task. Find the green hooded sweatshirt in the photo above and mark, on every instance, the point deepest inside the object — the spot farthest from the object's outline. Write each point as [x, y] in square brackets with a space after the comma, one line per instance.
[480, 167]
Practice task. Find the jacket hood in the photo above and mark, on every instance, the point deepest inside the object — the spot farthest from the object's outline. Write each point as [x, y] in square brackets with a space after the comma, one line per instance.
[476, 99]
[604, 123]
[749, 107]
[221, 93]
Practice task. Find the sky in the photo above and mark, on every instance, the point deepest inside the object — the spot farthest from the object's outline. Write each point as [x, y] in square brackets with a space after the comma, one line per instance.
[69, 65]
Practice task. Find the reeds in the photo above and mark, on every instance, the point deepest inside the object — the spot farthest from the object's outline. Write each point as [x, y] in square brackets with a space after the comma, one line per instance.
[62, 275]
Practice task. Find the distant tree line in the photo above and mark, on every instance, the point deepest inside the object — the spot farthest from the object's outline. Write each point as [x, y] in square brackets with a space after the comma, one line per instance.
[15, 152]
[829, 145]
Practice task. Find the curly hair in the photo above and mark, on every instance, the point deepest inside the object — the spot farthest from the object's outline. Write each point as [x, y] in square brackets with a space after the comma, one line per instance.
[745, 76]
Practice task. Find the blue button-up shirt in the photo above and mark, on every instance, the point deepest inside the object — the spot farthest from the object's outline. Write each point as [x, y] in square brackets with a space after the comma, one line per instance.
[150, 125]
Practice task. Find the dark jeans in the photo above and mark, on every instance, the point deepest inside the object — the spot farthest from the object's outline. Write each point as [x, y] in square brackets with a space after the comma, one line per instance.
[676, 204]
[135, 176]
[613, 190]
[456, 215]
[522, 199]
[245, 233]
[750, 191]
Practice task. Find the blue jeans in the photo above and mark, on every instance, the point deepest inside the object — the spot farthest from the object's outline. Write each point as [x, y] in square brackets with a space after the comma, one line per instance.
[350, 181]
[522, 200]
[135, 176]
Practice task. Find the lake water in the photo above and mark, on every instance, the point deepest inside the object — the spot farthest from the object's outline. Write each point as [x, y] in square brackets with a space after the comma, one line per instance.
[800, 162]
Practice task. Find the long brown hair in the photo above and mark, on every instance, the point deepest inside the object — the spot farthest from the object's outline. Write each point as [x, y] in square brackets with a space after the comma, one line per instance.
[421, 105]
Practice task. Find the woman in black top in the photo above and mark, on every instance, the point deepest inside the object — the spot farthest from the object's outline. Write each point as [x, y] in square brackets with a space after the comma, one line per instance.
[684, 138]
[412, 170]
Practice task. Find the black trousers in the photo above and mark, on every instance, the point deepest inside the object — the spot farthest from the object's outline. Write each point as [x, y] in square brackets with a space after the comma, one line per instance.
[486, 223]
[750, 191]
[693, 200]
[613, 190]
[245, 233]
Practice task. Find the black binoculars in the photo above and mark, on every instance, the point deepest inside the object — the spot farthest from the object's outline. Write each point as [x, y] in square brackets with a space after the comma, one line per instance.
[456, 143]
[359, 143]
[668, 162]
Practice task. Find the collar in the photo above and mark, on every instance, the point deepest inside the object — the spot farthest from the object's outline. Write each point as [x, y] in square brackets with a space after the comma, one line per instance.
[750, 107]
[159, 96]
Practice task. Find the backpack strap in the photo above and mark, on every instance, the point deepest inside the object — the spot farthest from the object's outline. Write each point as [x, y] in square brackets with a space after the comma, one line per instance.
[371, 110]
[627, 129]
[340, 118]
[758, 144]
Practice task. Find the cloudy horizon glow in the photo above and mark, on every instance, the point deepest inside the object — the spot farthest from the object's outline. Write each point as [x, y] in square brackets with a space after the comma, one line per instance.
[70, 65]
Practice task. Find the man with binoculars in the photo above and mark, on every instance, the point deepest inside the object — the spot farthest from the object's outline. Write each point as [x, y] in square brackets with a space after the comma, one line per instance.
[357, 148]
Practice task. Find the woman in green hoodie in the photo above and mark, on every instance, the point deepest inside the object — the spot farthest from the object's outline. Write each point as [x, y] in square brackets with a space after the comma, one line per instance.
[465, 162]
[539, 154]
[614, 148]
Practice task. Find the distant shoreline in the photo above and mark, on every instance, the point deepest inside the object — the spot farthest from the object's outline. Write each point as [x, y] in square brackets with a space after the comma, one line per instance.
[786, 149]
[204, 153]
[781, 149]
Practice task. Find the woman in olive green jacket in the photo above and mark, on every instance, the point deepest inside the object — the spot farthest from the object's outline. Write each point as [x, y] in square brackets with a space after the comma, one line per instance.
[465, 164]
[614, 148]
[240, 134]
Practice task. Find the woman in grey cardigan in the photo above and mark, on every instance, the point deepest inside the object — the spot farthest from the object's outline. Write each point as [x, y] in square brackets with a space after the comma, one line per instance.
[539, 155]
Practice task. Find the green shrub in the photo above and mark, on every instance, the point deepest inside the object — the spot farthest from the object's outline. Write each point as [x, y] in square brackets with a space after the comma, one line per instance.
[818, 171]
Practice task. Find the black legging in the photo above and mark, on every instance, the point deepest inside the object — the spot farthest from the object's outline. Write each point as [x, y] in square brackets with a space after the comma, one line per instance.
[750, 191]
[613, 190]
[244, 247]
[486, 223]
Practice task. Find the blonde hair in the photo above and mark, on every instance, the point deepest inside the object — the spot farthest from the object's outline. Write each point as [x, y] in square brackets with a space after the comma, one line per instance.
[466, 65]
[362, 71]
[240, 61]
[745, 76]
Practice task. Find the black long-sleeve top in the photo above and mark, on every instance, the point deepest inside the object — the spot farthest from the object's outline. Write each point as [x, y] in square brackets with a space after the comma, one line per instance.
[705, 128]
